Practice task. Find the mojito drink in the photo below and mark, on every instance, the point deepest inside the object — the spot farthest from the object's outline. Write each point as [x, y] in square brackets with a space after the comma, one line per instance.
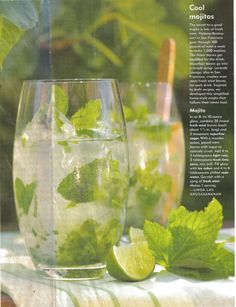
[157, 163]
[71, 188]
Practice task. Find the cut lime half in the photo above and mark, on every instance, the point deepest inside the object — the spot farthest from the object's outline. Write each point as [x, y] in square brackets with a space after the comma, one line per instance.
[130, 262]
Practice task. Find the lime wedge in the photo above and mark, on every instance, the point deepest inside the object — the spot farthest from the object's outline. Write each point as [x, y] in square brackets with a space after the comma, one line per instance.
[130, 262]
[136, 235]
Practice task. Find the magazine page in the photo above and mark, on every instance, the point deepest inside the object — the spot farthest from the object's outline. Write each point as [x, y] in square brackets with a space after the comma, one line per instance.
[117, 153]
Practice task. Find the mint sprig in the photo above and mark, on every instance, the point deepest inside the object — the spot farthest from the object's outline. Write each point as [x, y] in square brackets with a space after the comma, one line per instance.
[187, 245]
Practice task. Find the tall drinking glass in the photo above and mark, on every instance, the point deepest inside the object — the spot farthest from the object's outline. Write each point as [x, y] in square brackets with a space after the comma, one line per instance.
[157, 154]
[70, 174]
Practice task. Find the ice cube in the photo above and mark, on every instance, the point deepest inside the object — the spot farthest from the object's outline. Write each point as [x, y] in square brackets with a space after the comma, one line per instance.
[67, 129]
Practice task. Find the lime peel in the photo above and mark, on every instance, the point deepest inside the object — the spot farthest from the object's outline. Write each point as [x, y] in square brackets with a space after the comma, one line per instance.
[130, 262]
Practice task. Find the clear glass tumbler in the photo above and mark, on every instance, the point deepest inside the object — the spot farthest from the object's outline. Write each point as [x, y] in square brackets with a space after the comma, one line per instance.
[70, 174]
[156, 151]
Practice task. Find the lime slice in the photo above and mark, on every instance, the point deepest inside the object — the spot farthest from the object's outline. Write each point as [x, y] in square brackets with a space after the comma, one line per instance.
[130, 262]
[136, 235]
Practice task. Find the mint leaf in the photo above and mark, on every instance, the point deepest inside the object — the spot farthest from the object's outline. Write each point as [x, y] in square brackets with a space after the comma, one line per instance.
[79, 185]
[159, 240]
[99, 180]
[24, 194]
[61, 99]
[189, 243]
[9, 36]
[220, 265]
[86, 117]
[60, 104]
[222, 260]
[194, 232]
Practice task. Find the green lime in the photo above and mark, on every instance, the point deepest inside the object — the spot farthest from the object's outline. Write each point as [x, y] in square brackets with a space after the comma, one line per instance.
[130, 262]
[136, 235]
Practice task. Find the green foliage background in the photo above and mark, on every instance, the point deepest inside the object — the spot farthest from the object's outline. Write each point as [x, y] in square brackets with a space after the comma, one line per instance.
[86, 38]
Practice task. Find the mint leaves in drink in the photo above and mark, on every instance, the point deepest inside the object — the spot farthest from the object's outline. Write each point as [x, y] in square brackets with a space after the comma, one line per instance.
[100, 179]
[88, 243]
[79, 185]
[86, 117]
[188, 245]
[24, 194]
[84, 120]
[61, 104]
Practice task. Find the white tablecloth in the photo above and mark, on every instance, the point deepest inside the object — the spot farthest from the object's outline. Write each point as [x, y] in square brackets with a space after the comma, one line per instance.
[163, 289]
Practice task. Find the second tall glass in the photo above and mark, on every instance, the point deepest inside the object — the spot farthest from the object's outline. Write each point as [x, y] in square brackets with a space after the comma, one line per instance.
[157, 153]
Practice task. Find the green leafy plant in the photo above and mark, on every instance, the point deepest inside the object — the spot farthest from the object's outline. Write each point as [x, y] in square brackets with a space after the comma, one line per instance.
[121, 32]
[187, 246]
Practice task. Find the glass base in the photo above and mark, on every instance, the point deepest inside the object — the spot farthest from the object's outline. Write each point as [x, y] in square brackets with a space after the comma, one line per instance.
[75, 273]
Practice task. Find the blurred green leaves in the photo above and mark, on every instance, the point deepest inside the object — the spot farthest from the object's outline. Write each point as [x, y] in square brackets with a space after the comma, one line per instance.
[118, 38]
[15, 18]
[101, 38]
[9, 36]
[24, 14]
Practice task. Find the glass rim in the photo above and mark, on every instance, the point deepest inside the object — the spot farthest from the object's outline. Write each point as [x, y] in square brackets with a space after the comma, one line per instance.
[142, 83]
[71, 80]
